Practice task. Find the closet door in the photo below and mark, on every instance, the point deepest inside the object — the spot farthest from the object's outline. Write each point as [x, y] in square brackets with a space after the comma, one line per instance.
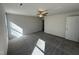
[72, 28]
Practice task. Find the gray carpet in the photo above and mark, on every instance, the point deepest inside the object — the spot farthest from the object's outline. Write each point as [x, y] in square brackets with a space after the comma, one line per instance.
[54, 45]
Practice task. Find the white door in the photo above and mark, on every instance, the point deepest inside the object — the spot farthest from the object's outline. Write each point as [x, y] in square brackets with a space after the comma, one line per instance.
[72, 28]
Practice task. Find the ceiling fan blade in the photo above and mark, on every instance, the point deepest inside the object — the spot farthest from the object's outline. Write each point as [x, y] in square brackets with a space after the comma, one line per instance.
[44, 12]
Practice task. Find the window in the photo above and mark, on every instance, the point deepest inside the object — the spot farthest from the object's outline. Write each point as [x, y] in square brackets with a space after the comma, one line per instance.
[16, 30]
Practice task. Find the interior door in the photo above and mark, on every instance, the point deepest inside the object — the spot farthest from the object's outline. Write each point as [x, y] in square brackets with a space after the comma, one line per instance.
[72, 28]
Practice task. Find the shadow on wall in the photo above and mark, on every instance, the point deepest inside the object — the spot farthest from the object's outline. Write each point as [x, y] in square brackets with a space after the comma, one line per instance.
[15, 31]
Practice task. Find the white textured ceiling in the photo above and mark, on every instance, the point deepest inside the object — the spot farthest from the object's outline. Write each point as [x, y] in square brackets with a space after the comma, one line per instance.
[30, 9]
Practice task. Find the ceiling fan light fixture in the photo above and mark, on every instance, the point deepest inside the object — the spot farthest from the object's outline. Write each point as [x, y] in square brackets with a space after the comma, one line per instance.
[40, 15]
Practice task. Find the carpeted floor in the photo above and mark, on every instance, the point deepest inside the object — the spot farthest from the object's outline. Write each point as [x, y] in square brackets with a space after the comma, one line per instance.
[52, 45]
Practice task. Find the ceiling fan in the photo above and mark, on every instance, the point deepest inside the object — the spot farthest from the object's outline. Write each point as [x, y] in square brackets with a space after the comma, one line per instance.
[42, 13]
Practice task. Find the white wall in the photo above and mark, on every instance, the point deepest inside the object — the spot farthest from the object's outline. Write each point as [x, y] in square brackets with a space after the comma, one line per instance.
[3, 33]
[56, 24]
[72, 26]
[29, 24]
